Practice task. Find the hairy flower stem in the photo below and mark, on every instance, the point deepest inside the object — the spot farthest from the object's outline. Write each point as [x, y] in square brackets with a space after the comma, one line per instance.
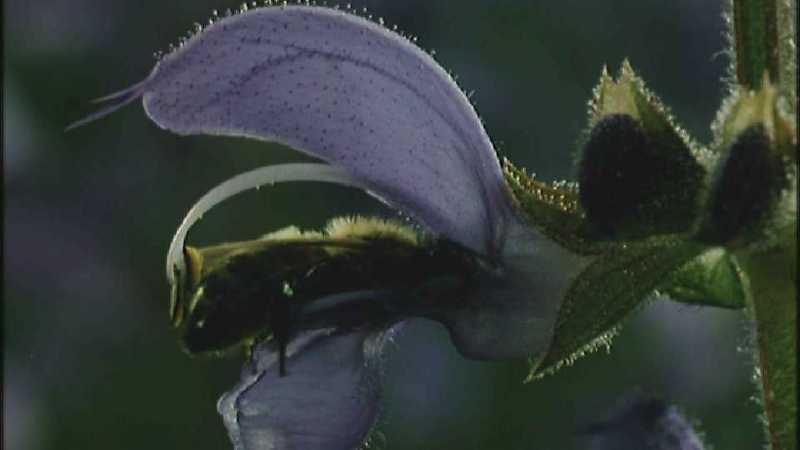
[763, 39]
[772, 300]
[755, 33]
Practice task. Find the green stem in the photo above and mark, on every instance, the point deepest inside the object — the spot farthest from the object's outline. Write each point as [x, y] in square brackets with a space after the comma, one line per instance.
[763, 38]
[755, 40]
[787, 52]
[772, 299]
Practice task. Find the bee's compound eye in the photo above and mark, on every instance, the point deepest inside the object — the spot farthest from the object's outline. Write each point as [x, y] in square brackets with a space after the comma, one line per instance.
[222, 313]
[185, 276]
[202, 333]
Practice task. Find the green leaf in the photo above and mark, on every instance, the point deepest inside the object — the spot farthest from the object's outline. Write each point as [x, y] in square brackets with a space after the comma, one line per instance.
[607, 292]
[711, 279]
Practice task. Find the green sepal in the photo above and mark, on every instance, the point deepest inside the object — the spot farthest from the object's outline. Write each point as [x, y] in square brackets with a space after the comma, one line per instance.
[711, 279]
[553, 208]
[628, 95]
[745, 109]
[607, 292]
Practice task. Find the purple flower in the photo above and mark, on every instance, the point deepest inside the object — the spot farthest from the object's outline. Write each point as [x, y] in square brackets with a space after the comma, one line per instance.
[386, 118]
[640, 422]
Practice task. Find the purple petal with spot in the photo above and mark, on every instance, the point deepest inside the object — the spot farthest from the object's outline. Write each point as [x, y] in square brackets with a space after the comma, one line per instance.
[349, 91]
[328, 400]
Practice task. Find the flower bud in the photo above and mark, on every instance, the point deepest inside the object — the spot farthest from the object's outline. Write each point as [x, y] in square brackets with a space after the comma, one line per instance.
[752, 196]
[638, 173]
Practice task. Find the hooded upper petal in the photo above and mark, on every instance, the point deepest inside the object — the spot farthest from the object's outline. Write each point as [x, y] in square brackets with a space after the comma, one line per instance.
[328, 400]
[346, 90]
[373, 105]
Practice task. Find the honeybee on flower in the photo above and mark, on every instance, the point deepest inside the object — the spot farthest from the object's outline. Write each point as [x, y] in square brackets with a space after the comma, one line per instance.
[314, 308]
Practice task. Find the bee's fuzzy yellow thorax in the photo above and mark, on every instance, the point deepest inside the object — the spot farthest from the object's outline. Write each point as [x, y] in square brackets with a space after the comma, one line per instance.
[358, 227]
[205, 260]
[292, 233]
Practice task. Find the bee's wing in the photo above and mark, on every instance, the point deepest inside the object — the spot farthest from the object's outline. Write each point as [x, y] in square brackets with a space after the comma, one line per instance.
[349, 91]
[329, 398]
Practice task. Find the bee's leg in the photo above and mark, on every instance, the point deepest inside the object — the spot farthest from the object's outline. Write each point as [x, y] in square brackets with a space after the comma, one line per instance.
[280, 324]
[248, 349]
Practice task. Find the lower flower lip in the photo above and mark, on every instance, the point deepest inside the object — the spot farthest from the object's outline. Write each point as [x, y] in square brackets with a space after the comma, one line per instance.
[329, 399]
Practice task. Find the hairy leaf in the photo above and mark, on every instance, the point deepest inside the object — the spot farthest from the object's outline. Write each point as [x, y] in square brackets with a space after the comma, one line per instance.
[607, 292]
[711, 279]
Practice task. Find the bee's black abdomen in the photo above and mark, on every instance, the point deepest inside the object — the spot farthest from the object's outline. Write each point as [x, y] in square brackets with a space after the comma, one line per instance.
[279, 290]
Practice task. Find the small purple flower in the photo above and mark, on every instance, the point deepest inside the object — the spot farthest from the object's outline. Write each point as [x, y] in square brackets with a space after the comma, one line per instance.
[386, 118]
[640, 422]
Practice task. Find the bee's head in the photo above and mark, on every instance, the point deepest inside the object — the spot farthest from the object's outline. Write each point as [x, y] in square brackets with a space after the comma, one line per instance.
[184, 282]
[220, 298]
[213, 321]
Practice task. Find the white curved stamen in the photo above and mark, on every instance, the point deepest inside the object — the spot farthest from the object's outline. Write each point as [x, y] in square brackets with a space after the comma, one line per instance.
[243, 182]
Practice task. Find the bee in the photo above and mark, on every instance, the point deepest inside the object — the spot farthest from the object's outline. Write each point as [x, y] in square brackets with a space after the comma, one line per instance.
[358, 271]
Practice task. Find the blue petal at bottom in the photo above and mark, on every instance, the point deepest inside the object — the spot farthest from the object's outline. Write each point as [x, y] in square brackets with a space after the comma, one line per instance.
[328, 400]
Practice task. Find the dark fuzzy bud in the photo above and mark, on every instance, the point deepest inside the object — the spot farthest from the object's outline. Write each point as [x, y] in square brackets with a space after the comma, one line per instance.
[753, 194]
[749, 181]
[635, 182]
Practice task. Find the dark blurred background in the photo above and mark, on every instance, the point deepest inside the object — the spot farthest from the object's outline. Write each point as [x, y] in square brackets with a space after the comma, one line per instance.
[89, 359]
